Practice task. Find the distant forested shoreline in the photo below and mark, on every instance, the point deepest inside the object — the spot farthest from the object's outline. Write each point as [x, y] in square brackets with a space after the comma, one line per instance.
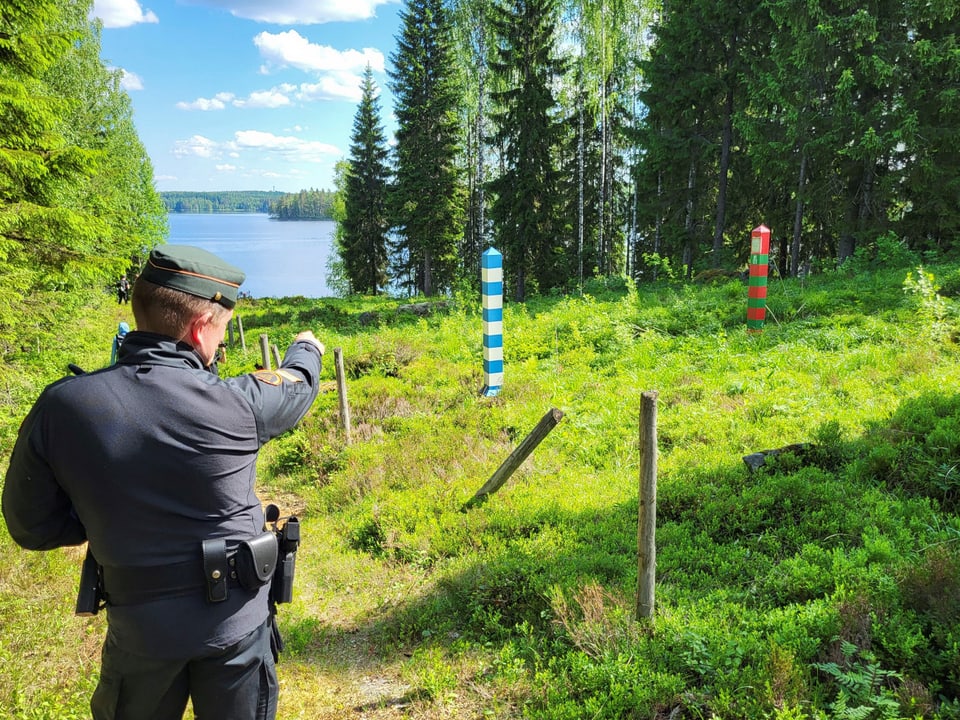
[303, 205]
[252, 201]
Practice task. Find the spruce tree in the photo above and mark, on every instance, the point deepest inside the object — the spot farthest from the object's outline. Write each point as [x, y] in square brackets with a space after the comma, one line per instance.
[525, 208]
[428, 199]
[362, 240]
[932, 94]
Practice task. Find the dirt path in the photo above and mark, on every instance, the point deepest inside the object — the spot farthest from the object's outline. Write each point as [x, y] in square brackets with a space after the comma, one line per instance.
[346, 660]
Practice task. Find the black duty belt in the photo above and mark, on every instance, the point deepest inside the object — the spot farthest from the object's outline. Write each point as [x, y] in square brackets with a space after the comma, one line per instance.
[131, 585]
[247, 564]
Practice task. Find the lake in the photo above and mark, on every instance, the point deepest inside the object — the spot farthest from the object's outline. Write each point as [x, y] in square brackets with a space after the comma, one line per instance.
[280, 258]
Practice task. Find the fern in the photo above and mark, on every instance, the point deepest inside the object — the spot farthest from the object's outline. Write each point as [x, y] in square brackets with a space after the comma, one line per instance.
[863, 687]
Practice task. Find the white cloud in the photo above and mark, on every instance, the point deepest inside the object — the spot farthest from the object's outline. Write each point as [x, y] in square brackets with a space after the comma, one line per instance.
[291, 49]
[197, 145]
[297, 12]
[217, 102]
[121, 13]
[265, 99]
[129, 81]
[336, 86]
[307, 150]
[245, 142]
[339, 74]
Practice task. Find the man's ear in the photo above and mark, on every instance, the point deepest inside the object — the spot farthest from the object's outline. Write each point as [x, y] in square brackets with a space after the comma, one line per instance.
[197, 326]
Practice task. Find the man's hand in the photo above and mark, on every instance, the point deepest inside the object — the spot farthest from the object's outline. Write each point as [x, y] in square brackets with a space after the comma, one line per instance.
[308, 336]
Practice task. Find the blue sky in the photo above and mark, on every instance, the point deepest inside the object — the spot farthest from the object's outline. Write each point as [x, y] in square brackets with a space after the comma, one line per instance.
[248, 94]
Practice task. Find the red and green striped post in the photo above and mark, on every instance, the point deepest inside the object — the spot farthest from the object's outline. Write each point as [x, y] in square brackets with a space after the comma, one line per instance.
[757, 294]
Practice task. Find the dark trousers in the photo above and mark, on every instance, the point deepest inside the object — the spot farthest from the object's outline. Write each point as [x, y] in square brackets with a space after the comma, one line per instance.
[239, 683]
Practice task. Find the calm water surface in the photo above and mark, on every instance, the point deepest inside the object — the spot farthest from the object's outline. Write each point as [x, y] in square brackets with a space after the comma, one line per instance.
[279, 258]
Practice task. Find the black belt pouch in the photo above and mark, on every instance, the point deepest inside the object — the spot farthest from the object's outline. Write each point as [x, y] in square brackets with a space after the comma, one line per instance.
[256, 560]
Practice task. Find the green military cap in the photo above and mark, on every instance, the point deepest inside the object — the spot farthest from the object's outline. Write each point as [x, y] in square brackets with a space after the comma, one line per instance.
[194, 271]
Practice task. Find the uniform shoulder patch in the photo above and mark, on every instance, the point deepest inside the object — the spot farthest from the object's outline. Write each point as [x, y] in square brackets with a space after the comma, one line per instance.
[276, 377]
[268, 376]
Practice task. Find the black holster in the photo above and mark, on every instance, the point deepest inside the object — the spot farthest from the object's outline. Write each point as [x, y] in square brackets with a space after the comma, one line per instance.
[90, 594]
[257, 560]
[251, 563]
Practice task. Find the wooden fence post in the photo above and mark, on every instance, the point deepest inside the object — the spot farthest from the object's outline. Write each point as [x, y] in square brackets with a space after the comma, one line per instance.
[265, 351]
[516, 458]
[243, 340]
[276, 355]
[342, 392]
[647, 521]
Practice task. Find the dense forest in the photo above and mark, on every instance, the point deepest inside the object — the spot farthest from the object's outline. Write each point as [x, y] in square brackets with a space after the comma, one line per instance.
[636, 137]
[648, 138]
[224, 201]
[304, 205]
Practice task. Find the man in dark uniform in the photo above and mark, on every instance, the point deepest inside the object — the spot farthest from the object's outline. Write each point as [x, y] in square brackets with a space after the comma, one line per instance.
[153, 461]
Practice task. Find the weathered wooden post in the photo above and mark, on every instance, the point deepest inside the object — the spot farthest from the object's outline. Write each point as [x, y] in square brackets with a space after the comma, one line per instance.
[491, 288]
[516, 458]
[276, 355]
[230, 332]
[243, 340]
[265, 351]
[647, 521]
[757, 292]
[342, 392]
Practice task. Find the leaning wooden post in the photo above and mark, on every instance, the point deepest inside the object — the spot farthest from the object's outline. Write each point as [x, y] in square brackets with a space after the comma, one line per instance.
[265, 351]
[243, 340]
[342, 392]
[276, 355]
[516, 458]
[647, 522]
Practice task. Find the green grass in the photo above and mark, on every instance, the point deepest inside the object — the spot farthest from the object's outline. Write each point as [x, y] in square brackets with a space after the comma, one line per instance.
[824, 586]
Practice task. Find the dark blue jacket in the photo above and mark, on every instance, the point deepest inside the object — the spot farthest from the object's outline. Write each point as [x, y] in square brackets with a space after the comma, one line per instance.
[146, 459]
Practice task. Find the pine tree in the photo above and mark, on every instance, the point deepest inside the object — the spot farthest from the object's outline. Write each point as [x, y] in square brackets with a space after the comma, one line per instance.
[428, 199]
[525, 208]
[362, 242]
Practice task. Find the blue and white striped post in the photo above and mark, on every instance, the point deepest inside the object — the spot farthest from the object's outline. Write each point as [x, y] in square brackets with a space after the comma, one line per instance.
[491, 289]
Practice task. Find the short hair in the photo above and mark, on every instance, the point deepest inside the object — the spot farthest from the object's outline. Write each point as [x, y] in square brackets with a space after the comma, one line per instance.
[169, 312]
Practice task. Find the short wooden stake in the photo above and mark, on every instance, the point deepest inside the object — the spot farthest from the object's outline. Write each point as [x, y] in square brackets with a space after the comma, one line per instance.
[647, 521]
[342, 392]
[276, 355]
[230, 332]
[265, 352]
[243, 340]
[516, 458]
